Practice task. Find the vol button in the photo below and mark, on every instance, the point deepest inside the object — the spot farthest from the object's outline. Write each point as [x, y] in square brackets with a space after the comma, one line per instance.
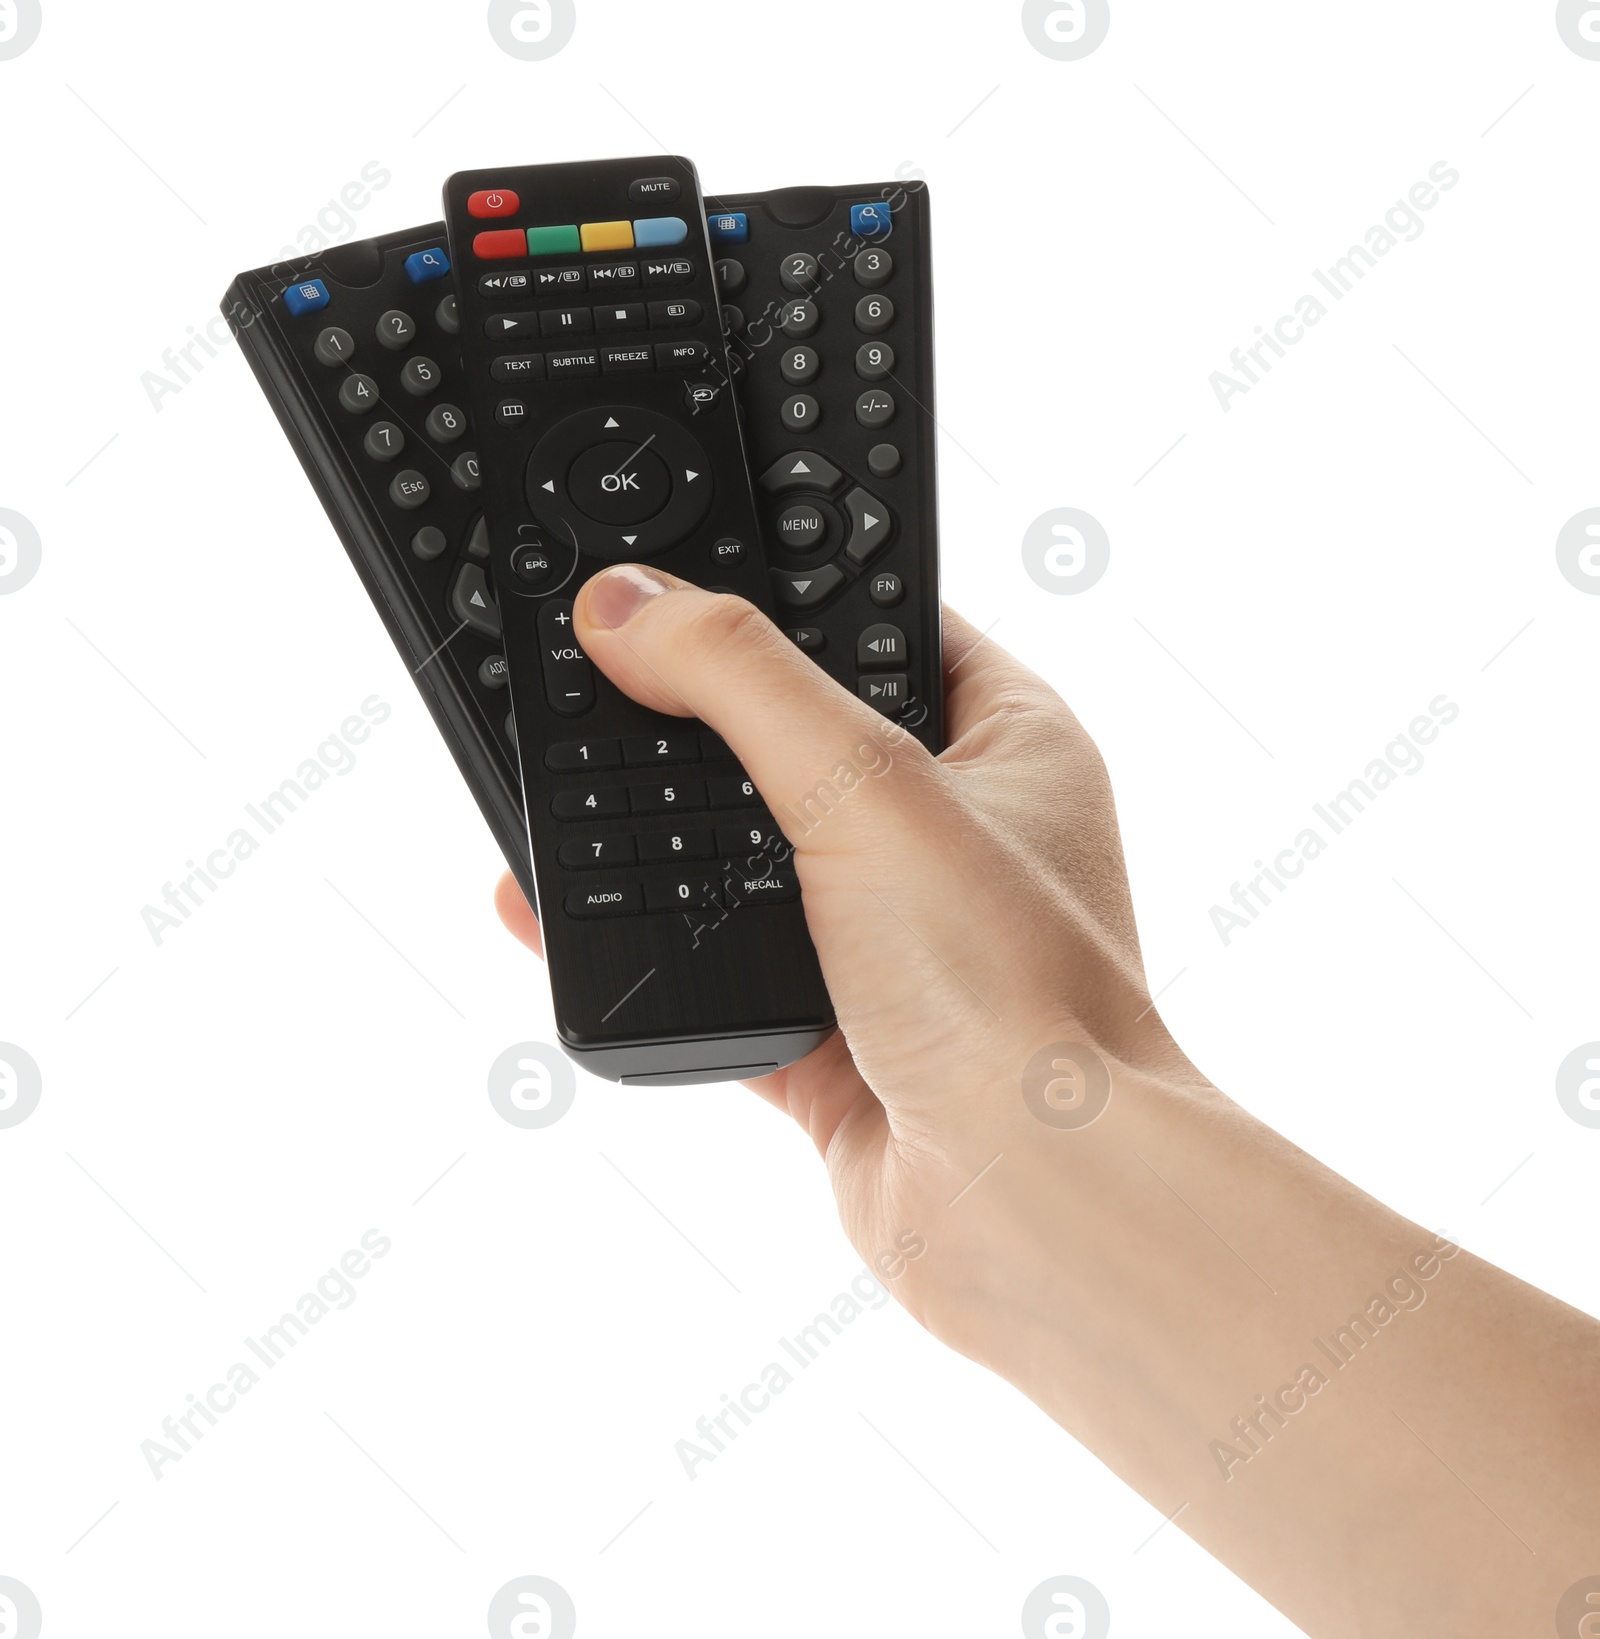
[568, 676]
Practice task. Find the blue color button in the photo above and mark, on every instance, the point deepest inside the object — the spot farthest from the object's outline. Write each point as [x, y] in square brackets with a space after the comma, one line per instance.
[870, 221]
[306, 297]
[731, 228]
[654, 231]
[424, 265]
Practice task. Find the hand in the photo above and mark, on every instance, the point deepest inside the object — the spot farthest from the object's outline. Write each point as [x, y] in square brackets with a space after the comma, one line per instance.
[967, 910]
[1023, 1155]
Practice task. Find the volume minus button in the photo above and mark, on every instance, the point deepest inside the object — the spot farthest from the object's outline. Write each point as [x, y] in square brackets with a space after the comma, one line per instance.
[568, 675]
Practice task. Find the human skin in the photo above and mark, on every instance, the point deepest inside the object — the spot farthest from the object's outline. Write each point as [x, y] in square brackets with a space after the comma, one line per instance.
[1152, 1274]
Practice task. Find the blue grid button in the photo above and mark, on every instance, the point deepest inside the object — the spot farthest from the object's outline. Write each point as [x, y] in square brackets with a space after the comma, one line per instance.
[870, 221]
[306, 297]
[423, 265]
[729, 228]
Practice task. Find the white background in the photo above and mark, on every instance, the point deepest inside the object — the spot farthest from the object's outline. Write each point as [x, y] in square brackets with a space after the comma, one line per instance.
[246, 1100]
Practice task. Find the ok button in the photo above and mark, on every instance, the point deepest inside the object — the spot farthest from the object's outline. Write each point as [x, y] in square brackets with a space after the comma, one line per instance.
[619, 483]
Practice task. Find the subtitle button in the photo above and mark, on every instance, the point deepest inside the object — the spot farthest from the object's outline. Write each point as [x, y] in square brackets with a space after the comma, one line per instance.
[568, 676]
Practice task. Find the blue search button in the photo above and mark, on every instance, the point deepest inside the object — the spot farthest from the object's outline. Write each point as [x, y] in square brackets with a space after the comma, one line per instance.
[870, 221]
[424, 265]
[306, 297]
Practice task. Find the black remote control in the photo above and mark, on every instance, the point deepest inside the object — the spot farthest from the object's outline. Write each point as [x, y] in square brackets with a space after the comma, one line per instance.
[371, 308]
[606, 435]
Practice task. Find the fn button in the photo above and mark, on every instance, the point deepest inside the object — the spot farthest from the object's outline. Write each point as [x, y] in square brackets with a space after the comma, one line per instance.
[568, 676]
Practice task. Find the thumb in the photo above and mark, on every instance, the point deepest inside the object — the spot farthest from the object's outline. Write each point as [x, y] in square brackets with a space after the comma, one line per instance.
[799, 735]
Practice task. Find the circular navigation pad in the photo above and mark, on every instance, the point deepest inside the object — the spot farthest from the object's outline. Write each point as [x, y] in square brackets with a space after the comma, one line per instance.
[619, 483]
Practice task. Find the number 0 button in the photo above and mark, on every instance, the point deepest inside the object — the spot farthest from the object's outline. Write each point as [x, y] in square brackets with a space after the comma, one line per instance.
[800, 412]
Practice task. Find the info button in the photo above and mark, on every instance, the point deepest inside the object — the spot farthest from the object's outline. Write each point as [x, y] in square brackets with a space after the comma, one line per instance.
[493, 202]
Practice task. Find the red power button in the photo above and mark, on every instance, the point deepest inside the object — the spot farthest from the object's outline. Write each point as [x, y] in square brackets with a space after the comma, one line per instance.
[493, 202]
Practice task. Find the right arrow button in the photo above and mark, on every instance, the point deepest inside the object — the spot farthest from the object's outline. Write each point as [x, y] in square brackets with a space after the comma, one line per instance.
[870, 526]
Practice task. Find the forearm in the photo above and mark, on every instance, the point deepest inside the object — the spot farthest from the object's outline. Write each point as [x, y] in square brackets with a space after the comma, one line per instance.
[1382, 1434]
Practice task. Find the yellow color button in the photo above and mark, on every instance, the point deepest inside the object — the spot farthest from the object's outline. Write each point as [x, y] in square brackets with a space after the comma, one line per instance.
[607, 235]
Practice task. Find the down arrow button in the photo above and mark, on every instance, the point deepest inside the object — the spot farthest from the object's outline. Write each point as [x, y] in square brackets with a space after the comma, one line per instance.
[809, 590]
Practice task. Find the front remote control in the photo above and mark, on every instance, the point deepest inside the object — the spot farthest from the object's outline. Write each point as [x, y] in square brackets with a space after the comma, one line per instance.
[595, 375]
[370, 308]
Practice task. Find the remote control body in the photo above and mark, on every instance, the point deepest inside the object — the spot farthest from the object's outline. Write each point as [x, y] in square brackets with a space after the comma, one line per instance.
[416, 562]
[602, 443]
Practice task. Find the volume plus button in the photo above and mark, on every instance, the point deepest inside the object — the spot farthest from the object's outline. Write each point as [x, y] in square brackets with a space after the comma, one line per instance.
[568, 676]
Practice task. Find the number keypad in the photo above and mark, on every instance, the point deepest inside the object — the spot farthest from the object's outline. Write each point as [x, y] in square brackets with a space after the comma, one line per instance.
[644, 854]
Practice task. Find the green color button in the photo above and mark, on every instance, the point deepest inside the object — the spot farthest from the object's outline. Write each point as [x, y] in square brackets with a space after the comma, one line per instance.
[553, 241]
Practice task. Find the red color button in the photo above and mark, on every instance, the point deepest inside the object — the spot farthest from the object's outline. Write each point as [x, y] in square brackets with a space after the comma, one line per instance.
[493, 202]
[499, 243]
